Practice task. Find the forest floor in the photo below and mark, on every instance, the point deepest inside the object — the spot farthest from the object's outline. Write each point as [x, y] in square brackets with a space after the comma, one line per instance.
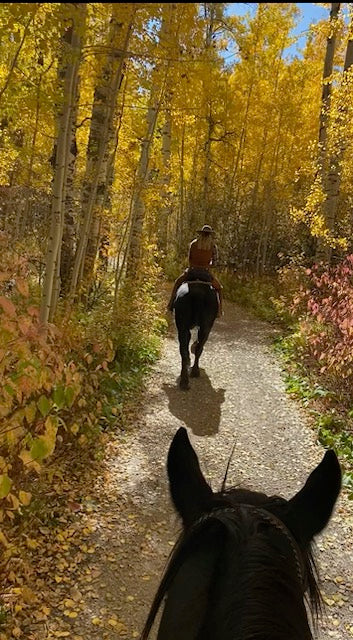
[117, 541]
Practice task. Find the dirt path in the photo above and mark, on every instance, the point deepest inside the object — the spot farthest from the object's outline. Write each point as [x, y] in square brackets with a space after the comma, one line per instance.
[239, 396]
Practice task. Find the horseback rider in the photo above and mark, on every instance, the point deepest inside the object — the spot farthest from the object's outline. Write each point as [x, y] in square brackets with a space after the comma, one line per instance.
[203, 253]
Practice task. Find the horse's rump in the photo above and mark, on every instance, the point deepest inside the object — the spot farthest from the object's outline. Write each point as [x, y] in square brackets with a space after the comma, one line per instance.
[196, 304]
[197, 289]
[191, 286]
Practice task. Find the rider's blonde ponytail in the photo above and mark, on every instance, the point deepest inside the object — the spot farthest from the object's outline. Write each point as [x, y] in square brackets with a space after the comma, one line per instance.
[204, 242]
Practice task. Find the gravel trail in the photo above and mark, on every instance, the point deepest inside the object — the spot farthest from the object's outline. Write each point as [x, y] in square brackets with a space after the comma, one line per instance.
[240, 398]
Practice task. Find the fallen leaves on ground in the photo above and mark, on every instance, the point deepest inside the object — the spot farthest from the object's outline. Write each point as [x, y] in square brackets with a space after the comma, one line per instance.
[83, 567]
[63, 561]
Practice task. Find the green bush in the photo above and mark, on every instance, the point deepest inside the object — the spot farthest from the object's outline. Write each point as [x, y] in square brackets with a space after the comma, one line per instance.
[256, 294]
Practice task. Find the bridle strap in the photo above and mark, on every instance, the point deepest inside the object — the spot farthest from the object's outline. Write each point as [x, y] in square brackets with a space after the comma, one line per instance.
[265, 516]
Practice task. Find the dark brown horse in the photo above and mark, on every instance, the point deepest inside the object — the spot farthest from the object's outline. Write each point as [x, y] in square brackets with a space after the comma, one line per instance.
[196, 305]
[243, 567]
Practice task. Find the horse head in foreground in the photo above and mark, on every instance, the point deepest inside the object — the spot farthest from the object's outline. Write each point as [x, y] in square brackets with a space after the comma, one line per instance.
[196, 305]
[243, 567]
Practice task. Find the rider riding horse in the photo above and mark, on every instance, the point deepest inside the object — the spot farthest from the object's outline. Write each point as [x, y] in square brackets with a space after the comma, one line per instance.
[203, 253]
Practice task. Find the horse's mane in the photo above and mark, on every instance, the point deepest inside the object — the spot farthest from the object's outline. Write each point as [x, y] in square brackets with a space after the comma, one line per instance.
[236, 522]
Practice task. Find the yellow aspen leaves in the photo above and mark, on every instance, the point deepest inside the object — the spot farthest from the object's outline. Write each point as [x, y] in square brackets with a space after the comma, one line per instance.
[25, 497]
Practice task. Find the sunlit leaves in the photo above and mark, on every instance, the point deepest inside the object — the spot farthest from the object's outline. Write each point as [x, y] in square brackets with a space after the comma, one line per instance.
[44, 395]
[25, 497]
[5, 485]
[44, 405]
[39, 449]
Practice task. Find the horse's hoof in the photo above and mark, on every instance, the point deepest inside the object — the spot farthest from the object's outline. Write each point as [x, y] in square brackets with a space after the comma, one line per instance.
[184, 386]
[195, 373]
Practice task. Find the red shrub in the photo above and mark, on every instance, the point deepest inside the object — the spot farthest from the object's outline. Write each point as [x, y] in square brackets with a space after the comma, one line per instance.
[325, 309]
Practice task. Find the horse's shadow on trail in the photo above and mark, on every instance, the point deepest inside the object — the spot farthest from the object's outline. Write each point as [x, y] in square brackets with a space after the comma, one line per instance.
[200, 407]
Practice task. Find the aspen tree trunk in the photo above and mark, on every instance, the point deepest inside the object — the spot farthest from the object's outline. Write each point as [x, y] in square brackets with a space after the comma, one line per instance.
[239, 152]
[102, 135]
[28, 203]
[327, 83]
[209, 10]
[270, 202]
[163, 218]
[66, 246]
[97, 155]
[190, 207]
[69, 73]
[333, 179]
[165, 180]
[123, 253]
[255, 191]
[183, 222]
[56, 285]
[110, 174]
[68, 240]
[323, 251]
[138, 207]
[267, 208]
[265, 242]
[208, 162]
[111, 162]
[120, 263]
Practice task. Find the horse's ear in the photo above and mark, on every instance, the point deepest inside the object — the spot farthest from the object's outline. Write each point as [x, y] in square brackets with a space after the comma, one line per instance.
[190, 492]
[310, 509]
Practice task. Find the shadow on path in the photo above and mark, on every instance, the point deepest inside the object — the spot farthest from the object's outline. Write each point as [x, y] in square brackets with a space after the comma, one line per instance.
[200, 407]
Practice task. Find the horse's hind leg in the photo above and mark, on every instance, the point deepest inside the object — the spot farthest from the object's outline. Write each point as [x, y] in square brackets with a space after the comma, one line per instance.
[199, 345]
[184, 339]
[193, 346]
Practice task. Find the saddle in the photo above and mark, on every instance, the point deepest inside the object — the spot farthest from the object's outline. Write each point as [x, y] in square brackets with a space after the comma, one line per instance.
[203, 276]
[198, 275]
[192, 275]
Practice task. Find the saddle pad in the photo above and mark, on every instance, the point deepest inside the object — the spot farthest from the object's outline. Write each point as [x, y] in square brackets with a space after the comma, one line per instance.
[182, 291]
[184, 288]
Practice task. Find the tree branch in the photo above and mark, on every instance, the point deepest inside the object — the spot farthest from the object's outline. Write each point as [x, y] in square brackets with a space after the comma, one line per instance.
[2, 91]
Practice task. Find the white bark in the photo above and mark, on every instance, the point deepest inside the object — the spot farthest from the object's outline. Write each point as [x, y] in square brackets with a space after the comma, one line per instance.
[62, 155]
[165, 183]
[182, 223]
[210, 12]
[208, 161]
[138, 207]
[113, 85]
[327, 82]
[70, 214]
[333, 180]
[98, 151]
